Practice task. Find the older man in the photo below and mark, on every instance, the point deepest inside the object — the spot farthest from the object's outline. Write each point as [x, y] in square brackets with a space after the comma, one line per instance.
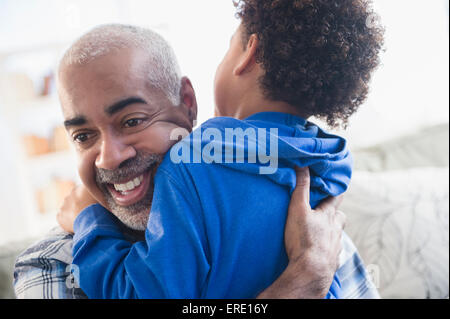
[123, 96]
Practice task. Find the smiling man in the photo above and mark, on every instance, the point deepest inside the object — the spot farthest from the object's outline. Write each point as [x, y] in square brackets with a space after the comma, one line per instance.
[129, 104]
[122, 96]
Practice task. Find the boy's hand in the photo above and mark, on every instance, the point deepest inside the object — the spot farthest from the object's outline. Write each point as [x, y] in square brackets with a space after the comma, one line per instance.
[313, 245]
[78, 199]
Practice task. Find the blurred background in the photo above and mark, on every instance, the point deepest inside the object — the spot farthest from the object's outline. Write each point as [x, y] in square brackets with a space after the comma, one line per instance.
[409, 95]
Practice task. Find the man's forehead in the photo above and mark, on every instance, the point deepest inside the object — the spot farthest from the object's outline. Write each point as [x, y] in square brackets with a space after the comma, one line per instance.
[105, 81]
[87, 87]
[115, 68]
[106, 78]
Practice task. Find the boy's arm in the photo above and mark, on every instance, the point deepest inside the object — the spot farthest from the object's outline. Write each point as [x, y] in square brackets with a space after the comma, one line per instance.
[305, 277]
[111, 267]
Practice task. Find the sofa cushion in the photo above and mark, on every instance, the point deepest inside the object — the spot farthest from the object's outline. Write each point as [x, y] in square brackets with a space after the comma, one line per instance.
[8, 255]
[399, 220]
[427, 148]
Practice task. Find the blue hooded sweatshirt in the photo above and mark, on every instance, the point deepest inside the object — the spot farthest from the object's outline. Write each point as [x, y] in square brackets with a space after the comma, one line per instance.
[216, 226]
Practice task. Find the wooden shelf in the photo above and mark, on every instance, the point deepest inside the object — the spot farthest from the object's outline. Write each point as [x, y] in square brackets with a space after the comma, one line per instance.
[49, 158]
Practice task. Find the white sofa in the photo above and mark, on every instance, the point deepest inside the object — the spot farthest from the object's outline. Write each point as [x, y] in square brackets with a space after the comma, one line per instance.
[398, 213]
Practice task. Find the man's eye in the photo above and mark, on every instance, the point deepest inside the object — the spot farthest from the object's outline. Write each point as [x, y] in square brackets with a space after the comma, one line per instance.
[80, 138]
[133, 122]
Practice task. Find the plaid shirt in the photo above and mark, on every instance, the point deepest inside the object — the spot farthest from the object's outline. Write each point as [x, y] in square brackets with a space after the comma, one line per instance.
[44, 271]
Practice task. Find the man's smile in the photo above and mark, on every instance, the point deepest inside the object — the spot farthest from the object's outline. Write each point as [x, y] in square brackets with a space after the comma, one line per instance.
[130, 184]
[125, 187]
[133, 189]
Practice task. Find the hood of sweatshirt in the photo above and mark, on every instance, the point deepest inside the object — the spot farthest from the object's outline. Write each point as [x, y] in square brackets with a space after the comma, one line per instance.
[271, 144]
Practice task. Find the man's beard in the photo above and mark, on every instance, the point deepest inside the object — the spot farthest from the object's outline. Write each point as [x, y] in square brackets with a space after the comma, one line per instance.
[134, 216]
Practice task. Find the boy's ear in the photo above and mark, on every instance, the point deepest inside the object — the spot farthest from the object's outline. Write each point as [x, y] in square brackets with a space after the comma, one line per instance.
[248, 59]
[188, 99]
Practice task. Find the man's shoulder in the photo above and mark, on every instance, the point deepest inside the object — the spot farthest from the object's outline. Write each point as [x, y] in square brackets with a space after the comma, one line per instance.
[57, 244]
[55, 247]
[44, 269]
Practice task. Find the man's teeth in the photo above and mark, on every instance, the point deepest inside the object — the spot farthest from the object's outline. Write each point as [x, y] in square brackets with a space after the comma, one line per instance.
[125, 187]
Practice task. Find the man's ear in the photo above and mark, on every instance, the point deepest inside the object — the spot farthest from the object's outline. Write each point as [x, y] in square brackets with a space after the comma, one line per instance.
[188, 99]
[248, 60]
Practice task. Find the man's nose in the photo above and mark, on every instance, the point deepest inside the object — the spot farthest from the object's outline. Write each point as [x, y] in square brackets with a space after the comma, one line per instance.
[113, 152]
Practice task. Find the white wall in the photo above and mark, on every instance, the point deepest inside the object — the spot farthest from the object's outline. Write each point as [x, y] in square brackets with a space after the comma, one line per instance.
[410, 89]
[12, 213]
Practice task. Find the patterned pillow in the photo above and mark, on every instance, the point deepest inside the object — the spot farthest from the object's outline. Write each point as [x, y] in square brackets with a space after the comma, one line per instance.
[399, 220]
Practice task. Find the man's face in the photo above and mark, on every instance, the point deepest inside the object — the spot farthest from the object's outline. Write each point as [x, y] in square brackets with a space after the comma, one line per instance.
[120, 126]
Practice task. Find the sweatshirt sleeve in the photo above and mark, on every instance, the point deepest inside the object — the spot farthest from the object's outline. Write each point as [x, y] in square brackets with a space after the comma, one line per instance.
[171, 263]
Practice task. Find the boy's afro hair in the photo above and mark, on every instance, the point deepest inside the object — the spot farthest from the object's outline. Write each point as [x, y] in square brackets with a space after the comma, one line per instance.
[317, 54]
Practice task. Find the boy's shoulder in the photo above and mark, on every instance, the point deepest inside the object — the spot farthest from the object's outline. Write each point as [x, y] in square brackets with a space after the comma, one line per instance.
[197, 149]
[220, 123]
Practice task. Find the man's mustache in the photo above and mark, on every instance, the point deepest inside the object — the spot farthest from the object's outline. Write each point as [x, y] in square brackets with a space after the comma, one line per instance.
[128, 169]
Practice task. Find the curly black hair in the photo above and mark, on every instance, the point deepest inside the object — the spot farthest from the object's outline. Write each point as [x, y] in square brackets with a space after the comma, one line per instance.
[317, 55]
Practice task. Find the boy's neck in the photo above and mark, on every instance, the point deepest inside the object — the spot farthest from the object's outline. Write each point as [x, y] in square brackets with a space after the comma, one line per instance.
[249, 98]
[251, 105]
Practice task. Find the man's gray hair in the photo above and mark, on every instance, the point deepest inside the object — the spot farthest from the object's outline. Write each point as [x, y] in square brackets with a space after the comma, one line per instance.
[164, 72]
